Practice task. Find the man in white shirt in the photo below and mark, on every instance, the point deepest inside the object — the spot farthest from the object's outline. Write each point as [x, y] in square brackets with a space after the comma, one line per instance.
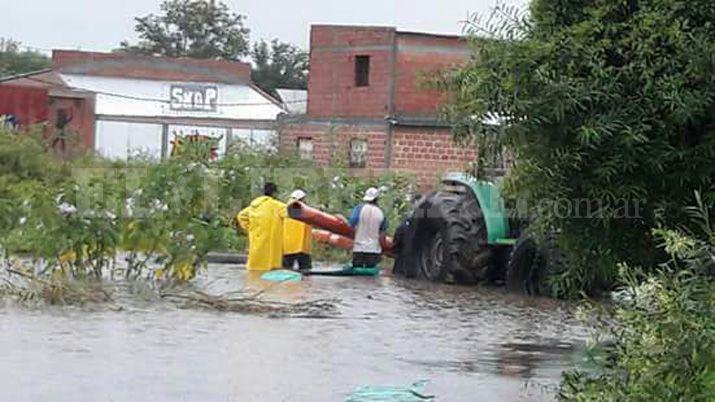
[370, 226]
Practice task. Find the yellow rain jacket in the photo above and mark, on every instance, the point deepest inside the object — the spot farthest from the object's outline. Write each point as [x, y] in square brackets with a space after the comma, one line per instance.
[297, 237]
[263, 220]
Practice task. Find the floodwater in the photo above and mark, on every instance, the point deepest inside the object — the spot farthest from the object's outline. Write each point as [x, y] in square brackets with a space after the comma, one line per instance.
[469, 343]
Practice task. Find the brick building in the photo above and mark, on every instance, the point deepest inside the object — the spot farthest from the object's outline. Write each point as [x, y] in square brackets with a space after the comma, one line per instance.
[120, 105]
[368, 105]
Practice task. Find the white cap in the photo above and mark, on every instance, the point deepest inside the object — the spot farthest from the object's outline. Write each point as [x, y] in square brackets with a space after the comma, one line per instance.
[371, 194]
[298, 195]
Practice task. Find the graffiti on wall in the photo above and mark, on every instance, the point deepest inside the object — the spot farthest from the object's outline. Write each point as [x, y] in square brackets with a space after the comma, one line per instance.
[194, 97]
[9, 121]
[204, 146]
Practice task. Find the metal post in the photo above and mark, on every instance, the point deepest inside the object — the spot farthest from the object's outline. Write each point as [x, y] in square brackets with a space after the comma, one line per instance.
[164, 141]
[229, 139]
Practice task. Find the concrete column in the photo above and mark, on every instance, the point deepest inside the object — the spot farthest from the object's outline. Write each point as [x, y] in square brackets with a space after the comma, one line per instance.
[164, 141]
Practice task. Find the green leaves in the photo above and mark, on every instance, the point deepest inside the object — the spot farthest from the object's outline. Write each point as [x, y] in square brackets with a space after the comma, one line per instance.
[605, 101]
[192, 28]
[155, 220]
[663, 329]
[15, 61]
[280, 65]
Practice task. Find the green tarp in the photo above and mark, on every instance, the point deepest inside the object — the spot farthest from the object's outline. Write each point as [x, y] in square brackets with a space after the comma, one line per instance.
[282, 275]
[390, 393]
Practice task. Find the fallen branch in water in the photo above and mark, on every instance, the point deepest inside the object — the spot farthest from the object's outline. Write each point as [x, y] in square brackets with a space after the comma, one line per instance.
[252, 305]
[55, 290]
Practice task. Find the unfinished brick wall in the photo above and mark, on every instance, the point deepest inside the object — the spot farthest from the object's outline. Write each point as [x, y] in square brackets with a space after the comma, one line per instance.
[331, 142]
[428, 153]
[419, 58]
[339, 111]
[331, 83]
[425, 152]
[400, 65]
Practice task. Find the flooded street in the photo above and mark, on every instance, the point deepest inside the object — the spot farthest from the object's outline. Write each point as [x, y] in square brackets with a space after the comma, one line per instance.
[469, 343]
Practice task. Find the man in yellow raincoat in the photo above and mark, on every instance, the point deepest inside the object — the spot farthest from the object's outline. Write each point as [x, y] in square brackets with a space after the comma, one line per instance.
[297, 239]
[263, 220]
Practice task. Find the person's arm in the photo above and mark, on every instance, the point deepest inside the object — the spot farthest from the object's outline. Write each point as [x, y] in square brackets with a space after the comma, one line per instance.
[383, 225]
[243, 219]
[383, 234]
[355, 216]
[283, 211]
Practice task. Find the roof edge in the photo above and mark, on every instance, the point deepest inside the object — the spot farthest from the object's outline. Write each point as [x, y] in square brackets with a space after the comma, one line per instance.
[432, 35]
[25, 75]
[268, 96]
[145, 57]
[366, 26]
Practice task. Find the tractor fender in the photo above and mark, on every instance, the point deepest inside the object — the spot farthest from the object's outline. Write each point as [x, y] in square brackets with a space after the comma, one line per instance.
[490, 200]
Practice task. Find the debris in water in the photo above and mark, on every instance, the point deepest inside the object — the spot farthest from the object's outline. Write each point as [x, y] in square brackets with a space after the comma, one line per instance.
[390, 393]
[253, 305]
[55, 289]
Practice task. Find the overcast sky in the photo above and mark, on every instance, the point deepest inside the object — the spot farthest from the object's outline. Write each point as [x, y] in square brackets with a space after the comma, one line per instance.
[101, 24]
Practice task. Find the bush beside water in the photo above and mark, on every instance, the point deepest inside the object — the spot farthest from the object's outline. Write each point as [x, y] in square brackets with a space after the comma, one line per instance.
[663, 329]
[76, 218]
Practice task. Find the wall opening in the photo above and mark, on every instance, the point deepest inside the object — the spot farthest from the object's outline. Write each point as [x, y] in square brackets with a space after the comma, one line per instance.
[358, 153]
[305, 148]
[362, 71]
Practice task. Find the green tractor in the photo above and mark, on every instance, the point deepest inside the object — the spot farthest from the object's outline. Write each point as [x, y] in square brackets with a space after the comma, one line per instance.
[462, 233]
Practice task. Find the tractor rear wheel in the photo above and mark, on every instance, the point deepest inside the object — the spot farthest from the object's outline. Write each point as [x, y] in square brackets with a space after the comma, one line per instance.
[522, 265]
[531, 265]
[450, 238]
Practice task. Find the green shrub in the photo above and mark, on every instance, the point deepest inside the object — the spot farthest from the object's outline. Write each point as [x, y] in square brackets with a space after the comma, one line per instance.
[26, 170]
[163, 217]
[664, 330]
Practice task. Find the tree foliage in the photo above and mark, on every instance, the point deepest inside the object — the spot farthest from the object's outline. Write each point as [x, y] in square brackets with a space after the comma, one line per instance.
[279, 65]
[610, 109]
[14, 61]
[204, 30]
[191, 28]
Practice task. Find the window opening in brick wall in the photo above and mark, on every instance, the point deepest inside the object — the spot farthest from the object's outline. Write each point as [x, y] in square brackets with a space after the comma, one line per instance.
[496, 161]
[305, 148]
[358, 153]
[362, 71]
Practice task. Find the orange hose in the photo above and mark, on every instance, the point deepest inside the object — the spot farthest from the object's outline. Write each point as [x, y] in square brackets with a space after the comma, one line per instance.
[317, 218]
[335, 240]
[331, 224]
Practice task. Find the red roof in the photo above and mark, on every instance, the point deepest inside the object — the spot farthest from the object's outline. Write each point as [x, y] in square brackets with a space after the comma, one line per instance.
[150, 67]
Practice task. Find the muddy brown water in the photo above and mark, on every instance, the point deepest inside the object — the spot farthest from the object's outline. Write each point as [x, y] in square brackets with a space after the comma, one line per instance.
[470, 343]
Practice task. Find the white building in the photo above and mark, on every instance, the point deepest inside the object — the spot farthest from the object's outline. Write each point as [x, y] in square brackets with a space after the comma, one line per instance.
[140, 104]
